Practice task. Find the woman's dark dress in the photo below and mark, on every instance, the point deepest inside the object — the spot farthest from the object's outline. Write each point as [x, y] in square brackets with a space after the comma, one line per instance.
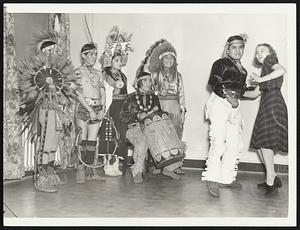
[107, 134]
[271, 125]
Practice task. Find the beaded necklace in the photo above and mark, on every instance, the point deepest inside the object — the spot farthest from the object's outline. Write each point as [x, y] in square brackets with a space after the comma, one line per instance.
[141, 105]
[93, 77]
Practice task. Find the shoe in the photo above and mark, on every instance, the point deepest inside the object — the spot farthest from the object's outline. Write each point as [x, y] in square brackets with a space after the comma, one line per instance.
[138, 179]
[171, 174]
[213, 188]
[233, 185]
[93, 175]
[155, 171]
[179, 171]
[63, 178]
[273, 188]
[43, 185]
[262, 185]
[80, 174]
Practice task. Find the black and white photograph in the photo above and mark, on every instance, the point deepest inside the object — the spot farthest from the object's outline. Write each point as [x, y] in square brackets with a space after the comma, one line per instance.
[149, 114]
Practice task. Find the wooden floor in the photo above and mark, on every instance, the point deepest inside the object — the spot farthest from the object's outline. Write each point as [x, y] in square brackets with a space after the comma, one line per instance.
[158, 196]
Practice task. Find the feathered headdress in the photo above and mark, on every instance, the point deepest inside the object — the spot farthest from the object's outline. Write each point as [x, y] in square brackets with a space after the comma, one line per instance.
[116, 42]
[45, 76]
[144, 66]
[160, 49]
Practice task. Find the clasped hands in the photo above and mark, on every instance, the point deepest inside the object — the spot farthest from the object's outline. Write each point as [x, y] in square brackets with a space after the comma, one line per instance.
[255, 79]
[142, 115]
[95, 116]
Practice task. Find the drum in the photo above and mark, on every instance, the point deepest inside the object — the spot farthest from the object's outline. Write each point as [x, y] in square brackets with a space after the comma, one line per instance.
[164, 144]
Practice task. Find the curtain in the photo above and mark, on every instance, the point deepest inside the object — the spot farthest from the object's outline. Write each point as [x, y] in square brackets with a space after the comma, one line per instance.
[13, 158]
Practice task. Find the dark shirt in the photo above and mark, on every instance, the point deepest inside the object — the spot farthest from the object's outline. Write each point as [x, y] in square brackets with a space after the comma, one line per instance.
[131, 108]
[226, 74]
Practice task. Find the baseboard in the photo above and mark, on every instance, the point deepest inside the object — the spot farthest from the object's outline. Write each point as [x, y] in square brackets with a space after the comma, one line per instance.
[243, 166]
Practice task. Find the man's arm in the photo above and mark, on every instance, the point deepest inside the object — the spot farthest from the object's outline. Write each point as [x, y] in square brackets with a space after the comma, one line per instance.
[216, 78]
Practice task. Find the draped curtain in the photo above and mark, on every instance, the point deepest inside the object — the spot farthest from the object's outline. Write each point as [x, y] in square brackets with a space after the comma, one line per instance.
[13, 154]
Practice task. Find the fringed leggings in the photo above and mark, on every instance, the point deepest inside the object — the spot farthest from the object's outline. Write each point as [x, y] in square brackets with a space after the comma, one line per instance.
[225, 141]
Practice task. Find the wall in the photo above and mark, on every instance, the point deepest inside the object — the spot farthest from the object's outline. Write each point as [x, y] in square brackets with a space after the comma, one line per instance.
[199, 40]
[25, 26]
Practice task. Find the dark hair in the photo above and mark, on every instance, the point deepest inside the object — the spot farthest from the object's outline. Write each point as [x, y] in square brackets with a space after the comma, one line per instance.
[235, 37]
[141, 74]
[108, 68]
[46, 44]
[255, 62]
[88, 46]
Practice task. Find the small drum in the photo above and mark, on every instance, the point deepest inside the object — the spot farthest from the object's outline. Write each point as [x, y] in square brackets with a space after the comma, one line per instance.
[164, 144]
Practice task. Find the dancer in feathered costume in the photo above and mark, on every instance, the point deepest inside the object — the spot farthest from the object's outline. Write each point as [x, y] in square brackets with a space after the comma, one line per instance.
[44, 79]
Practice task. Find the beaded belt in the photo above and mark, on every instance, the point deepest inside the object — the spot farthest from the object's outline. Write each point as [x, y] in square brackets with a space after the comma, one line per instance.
[92, 101]
[134, 125]
[118, 97]
[168, 97]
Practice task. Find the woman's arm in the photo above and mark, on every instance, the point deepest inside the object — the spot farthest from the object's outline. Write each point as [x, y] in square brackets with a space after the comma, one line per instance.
[278, 70]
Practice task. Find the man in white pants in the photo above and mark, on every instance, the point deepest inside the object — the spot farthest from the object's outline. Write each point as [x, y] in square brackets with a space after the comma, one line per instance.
[228, 83]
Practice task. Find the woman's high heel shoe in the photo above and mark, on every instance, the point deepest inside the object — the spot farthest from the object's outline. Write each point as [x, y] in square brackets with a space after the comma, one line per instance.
[262, 185]
[273, 188]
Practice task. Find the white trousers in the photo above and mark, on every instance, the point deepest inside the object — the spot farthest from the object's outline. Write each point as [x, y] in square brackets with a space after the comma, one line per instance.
[225, 140]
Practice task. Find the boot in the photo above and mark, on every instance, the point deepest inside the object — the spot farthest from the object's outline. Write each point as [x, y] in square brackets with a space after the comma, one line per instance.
[93, 175]
[233, 185]
[171, 174]
[43, 184]
[52, 176]
[273, 188]
[63, 178]
[80, 174]
[138, 179]
[179, 171]
[262, 185]
[213, 188]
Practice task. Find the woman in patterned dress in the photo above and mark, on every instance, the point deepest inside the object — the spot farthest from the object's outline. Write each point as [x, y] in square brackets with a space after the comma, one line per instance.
[270, 133]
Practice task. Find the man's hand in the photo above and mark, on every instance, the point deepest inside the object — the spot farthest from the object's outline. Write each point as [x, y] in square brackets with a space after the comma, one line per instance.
[93, 115]
[231, 98]
[142, 115]
[100, 115]
[254, 79]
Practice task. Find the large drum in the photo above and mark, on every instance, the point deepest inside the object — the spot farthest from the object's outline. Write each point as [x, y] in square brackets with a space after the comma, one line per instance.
[164, 144]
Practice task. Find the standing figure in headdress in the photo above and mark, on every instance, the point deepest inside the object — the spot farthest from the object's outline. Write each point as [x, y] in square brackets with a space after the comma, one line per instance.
[90, 111]
[44, 110]
[168, 85]
[228, 83]
[112, 60]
